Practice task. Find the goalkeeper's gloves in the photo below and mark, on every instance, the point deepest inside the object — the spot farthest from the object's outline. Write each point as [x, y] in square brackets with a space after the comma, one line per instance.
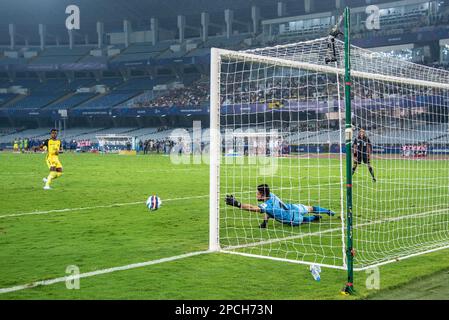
[231, 201]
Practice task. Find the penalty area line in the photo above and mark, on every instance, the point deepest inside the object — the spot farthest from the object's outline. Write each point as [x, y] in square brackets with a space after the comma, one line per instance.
[93, 207]
[99, 272]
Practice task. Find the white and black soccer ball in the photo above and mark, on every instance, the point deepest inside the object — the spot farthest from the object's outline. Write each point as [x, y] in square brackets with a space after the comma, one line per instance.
[154, 202]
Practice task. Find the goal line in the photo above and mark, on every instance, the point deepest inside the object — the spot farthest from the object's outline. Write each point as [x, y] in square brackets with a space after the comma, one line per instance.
[319, 233]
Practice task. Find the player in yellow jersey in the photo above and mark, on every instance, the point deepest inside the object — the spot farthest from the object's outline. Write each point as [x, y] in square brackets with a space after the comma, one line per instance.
[53, 146]
[16, 146]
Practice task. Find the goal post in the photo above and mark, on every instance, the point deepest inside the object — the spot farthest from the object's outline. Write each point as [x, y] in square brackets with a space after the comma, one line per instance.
[215, 150]
[229, 121]
[315, 107]
[349, 287]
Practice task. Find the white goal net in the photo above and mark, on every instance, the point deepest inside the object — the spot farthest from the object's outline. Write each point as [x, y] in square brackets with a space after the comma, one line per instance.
[114, 143]
[279, 118]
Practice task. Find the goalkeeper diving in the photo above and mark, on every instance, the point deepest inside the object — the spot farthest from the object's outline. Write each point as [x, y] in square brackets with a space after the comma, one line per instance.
[275, 208]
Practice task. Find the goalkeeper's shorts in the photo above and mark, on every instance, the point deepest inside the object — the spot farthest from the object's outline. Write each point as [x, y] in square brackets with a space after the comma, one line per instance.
[53, 161]
[362, 158]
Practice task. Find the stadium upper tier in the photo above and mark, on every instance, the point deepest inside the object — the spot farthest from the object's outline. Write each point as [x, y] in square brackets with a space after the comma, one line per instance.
[166, 91]
[108, 100]
[88, 93]
[53, 58]
[71, 101]
[57, 55]
[125, 91]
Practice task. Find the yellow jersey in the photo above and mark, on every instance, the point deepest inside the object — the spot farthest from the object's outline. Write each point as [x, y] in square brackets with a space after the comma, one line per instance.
[53, 147]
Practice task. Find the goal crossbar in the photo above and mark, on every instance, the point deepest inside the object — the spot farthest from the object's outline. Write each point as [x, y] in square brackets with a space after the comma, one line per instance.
[322, 68]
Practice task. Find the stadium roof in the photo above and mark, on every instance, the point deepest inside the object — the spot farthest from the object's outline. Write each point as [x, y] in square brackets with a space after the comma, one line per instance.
[27, 14]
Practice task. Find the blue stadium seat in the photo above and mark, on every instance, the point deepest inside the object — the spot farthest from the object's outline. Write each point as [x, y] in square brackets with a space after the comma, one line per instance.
[72, 101]
[37, 100]
[109, 100]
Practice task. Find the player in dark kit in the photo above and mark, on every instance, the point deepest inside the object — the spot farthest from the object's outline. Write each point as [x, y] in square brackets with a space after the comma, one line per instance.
[362, 152]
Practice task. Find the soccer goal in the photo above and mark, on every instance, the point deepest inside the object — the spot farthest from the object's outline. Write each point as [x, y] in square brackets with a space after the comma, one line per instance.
[314, 97]
[115, 143]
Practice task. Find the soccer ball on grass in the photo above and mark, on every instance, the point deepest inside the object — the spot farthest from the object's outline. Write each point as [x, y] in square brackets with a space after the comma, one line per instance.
[154, 202]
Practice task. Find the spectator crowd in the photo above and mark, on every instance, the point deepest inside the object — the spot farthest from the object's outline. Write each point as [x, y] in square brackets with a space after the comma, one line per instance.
[194, 95]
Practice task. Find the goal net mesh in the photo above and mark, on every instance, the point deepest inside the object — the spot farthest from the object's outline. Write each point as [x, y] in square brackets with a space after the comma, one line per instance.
[282, 124]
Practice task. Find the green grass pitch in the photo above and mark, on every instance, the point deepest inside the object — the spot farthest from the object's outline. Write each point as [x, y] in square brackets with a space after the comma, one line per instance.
[95, 218]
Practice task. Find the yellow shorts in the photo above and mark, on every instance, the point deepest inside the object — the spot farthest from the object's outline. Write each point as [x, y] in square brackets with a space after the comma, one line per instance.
[53, 161]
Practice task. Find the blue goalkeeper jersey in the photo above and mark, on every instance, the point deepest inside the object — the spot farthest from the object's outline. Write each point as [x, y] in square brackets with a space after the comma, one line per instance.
[291, 214]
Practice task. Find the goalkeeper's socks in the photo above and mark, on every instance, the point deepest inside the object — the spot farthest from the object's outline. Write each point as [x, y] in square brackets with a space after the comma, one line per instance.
[263, 225]
[371, 171]
[317, 209]
[308, 219]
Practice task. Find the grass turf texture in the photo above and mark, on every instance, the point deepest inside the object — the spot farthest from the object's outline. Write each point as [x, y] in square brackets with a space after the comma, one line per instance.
[37, 247]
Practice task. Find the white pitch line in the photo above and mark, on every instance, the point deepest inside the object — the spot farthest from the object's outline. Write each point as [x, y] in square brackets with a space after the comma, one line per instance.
[93, 207]
[99, 272]
[171, 170]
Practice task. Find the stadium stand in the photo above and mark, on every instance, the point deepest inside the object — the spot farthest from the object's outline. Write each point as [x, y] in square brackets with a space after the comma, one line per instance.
[107, 100]
[72, 101]
[430, 134]
[162, 80]
[28, 133]
[55, 55]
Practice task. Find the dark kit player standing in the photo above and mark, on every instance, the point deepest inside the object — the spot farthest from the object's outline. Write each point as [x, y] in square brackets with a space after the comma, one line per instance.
[362, 150]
